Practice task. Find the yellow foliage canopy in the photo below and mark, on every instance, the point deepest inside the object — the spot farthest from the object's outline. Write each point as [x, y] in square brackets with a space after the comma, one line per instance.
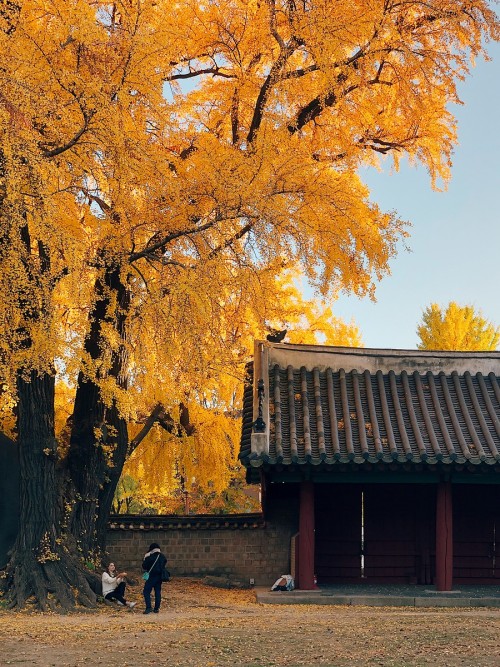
[164, 165]
[456, 328]
[209, 456]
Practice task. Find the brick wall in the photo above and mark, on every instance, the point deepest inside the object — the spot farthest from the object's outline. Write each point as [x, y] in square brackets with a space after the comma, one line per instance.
[242, 547]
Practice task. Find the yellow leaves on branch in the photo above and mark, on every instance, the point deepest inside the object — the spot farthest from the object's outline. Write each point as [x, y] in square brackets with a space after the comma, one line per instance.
[309, 321]
[208, 151]
[456, 328]
[207, 459]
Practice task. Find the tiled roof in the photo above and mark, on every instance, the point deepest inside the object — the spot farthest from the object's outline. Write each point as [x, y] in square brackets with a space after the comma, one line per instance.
[373, 405]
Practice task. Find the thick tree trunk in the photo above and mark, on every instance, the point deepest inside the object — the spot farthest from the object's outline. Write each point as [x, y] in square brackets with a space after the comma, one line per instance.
[43, 566]
[99, 438]
[96, 471]
[87, 464]
[38, 455]
[114, 472]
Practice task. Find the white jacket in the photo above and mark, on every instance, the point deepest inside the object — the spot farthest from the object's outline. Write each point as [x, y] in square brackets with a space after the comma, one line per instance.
[109, 583]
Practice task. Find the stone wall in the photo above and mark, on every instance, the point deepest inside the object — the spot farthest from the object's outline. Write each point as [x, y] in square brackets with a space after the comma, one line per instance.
[236, 546]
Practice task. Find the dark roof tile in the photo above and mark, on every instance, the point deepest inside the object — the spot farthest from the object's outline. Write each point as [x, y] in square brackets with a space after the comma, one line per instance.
[329, 414]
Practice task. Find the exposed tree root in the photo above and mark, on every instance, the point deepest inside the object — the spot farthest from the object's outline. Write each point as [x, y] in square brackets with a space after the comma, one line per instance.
[59, 585]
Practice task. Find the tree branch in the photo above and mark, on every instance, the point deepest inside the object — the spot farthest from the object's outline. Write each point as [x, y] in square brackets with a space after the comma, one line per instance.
[298, 73]
[312, 111]
[265, 91]
[244, 230]
[286, 51]
[160, 245]
[235, 117]
[158, 415]
[157, 411]
[215, 71]
[71, 142]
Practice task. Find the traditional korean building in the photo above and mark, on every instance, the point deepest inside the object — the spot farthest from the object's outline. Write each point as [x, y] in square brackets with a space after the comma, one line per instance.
[391, 459]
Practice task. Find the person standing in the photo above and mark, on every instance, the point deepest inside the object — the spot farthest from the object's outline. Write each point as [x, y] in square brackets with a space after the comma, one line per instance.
[113, 586]
[154, 562]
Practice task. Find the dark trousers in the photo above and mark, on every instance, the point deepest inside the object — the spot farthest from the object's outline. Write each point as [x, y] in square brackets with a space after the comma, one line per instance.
[117, 594]
[149, 585]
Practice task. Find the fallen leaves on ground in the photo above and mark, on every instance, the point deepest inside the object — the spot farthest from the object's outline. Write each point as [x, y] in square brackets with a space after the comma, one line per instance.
[208, 627]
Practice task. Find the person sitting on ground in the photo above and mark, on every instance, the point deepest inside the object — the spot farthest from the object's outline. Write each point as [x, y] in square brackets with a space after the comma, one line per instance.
[113, 586]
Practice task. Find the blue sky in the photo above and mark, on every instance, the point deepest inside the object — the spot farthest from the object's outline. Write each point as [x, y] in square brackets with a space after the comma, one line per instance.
[455, 237]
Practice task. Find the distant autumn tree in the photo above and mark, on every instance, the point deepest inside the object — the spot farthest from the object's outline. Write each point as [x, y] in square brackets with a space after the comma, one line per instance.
[456, 328]
[143, 220]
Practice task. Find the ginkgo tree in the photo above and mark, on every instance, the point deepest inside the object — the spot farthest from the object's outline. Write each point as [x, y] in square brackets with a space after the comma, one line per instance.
[456, 328]
[142, 218]
[166, 461]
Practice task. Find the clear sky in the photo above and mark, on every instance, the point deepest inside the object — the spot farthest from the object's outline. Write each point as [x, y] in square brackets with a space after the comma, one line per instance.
[455, 237]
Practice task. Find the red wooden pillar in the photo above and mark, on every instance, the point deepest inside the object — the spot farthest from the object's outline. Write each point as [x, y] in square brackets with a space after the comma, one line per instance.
[444, 537]
[306, 537]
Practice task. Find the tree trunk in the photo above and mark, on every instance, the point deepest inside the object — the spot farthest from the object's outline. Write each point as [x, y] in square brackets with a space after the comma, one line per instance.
[43, 564]
[99, 437]
[86, 462]
[107, 493]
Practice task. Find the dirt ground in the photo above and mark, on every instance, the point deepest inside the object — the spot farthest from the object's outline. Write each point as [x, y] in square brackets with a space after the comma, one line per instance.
[208, 627]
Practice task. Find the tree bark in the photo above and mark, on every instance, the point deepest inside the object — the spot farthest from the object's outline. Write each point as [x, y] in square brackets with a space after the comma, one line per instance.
[99, 437]
[37, 458]
[114, 472]
[43, 564]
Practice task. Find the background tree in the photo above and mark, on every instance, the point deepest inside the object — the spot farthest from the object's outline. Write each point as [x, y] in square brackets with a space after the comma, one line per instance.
[126, 489]
[142, 221]
[456, 328]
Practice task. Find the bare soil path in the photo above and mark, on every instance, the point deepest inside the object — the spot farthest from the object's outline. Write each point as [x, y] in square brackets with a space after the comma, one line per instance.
[207, 627]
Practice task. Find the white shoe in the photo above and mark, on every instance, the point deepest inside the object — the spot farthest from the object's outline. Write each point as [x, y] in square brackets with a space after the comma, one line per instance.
[120, 604]
[131, 604]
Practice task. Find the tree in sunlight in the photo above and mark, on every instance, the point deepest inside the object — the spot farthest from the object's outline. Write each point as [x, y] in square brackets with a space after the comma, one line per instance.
[144, 224]
[456, 328]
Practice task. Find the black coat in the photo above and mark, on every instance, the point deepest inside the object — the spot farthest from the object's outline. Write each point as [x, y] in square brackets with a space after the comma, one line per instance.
[154, 569]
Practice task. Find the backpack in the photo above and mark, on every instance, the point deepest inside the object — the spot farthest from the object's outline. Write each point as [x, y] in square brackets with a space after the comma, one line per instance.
[284, 583]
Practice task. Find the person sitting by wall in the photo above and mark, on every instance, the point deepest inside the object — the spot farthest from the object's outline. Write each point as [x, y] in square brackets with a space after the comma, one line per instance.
[113, 586]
